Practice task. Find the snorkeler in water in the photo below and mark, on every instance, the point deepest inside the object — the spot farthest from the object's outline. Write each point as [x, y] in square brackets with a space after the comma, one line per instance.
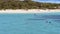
[48, 21]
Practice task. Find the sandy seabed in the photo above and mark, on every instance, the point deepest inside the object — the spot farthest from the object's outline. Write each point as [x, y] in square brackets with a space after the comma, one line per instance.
[29, 11]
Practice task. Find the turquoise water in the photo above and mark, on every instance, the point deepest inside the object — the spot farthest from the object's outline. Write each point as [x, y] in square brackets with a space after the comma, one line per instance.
[45, 23]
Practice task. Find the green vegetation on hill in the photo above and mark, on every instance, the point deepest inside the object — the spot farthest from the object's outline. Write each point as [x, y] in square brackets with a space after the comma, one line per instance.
[27, 5]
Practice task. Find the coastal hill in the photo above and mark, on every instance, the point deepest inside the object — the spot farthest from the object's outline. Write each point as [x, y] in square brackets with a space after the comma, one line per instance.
[13, 4]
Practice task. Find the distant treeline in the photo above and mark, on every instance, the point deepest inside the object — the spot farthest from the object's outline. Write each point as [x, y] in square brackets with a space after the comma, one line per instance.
[27, 5]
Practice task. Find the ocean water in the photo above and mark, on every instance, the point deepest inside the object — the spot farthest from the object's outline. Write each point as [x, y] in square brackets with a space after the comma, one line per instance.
[43, 23]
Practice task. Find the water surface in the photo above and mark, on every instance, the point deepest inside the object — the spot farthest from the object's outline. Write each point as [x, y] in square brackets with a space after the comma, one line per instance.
[45, 23]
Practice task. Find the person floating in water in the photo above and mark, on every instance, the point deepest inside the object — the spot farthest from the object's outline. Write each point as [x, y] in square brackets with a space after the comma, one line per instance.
[48, 21]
